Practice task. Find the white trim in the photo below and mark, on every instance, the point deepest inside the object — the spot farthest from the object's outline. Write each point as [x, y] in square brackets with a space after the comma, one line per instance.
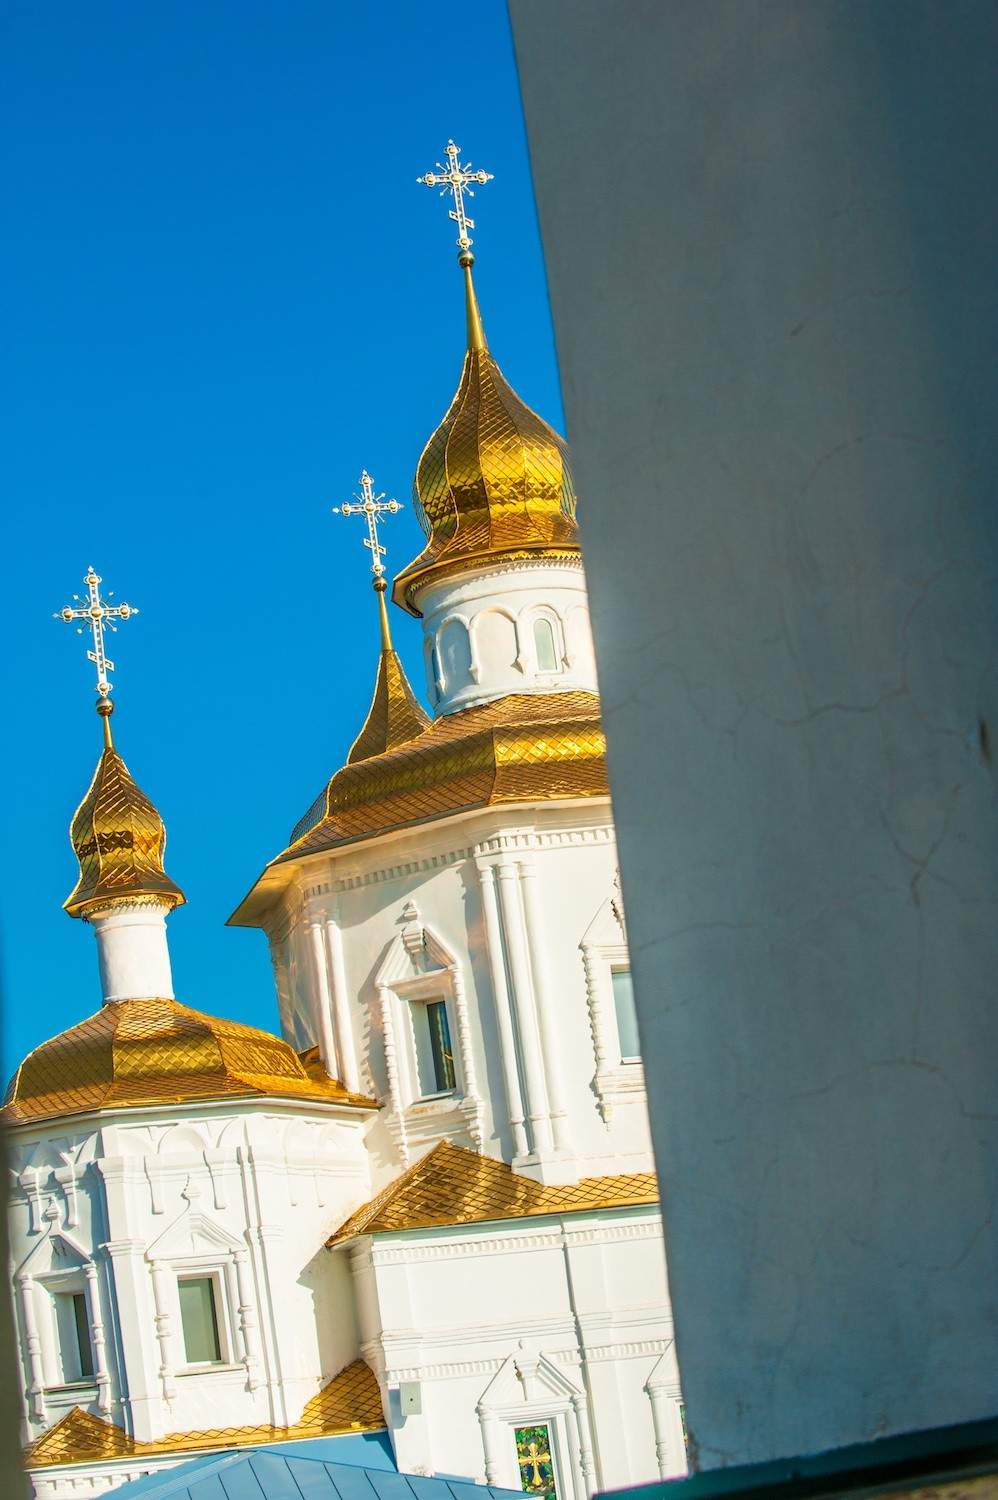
[420, 966]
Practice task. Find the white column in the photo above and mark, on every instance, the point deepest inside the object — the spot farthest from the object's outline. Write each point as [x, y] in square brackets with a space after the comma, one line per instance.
[281, 986]
[348, 1075]
[248, 1326]
[162, 1286]
[322, 1009]
[538, 1112]
[132, 950]
[97, 1338]
[504, 1019]
[545, 1004]
[36, 1390]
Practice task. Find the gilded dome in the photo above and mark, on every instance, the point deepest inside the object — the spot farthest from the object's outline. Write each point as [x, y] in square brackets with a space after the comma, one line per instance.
[532, 747]
[494, 478]
[119, 839]
[148, 1052]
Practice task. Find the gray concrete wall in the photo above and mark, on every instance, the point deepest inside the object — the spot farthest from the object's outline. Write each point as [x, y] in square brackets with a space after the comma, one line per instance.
[769, 232]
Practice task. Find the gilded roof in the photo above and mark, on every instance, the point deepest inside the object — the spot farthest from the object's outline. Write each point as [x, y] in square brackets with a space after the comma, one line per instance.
[147, 1052]
[452, 1185]
[351, 1402]
[526, 747]
[119, 839]
[493, 480]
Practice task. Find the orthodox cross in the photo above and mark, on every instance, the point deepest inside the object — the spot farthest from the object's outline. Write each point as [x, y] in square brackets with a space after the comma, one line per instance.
[533, 1461]
[373, 507]
[456, 178]
[95, 613]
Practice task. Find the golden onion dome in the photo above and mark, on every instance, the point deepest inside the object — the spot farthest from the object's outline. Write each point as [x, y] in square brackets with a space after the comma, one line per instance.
[119, 838]
[139, 1053]
[493, 480]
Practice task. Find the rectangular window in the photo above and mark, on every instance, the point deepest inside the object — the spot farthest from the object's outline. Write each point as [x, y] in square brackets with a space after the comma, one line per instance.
[627, 1019]
[73, 1326]
[533, 1452]
[199, 1320]
[434, 1053]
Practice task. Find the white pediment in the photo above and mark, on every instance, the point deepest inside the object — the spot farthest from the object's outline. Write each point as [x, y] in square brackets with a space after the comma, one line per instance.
[193, 1234]
[606, 929]
[415, 953]
[527, 1376]
[57, 1251]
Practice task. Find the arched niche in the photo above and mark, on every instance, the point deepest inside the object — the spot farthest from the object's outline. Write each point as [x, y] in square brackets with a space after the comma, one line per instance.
[454, 655]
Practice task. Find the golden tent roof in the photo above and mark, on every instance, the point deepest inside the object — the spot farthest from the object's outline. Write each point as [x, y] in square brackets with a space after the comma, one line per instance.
[147, 1052]
[527, 747]
[493, 480]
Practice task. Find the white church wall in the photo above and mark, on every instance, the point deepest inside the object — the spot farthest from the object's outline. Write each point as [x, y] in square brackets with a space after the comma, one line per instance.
[486, 1328]
[127, 1209]
[507, 899]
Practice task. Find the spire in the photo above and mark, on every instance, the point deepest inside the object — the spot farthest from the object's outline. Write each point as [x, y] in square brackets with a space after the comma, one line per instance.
[395, 715]
[117, 834]
[455, 177]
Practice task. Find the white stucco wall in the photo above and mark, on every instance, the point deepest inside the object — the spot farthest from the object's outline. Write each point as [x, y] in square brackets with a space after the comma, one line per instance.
[479, 632]
[768, 238]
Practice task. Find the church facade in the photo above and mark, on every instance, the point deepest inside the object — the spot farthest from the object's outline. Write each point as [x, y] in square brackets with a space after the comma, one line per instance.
[429, 1206]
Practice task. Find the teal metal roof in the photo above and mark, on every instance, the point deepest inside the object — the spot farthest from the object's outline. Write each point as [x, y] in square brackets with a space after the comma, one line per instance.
[300, 1471]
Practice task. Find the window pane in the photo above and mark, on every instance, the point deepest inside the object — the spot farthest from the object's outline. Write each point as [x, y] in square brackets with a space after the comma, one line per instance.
[547, 660]
[73, 1335]
[83, 1344]
[434, 1055]
[443, 1056]
[627, 1020]
[199, 1321]
[533, 1452]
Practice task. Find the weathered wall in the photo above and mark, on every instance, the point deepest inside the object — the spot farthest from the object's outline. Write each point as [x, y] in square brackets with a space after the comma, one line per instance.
[769, 231]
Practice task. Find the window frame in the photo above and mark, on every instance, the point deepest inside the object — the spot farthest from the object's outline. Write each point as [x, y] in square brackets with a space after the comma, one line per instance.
[211, 1279]
[220, 1272]
[64, 1288]
[617, 1080]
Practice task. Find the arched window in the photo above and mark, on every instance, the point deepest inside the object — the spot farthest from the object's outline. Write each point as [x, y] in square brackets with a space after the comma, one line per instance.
[547, 656]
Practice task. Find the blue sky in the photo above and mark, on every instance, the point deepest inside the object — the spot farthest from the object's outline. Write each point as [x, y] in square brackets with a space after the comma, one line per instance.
[224, 295]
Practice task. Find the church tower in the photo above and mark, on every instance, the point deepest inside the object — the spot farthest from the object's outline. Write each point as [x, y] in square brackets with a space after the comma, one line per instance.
[156, 1154]
[446, 926]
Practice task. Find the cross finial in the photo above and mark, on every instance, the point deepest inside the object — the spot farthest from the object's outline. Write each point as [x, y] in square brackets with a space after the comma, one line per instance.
[96, 613]
[456, 178]
[373, 507]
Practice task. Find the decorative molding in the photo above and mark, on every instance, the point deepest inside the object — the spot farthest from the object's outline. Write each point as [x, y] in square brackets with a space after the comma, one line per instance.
[530, 1387]
[603, 944]
[417, 966]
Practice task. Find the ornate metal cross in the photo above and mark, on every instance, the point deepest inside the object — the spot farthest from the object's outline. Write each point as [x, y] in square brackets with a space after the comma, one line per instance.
[456, 178]
[95, 613]
[373, 507]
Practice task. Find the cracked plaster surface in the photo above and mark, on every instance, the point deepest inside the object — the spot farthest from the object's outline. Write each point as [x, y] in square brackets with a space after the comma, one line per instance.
[765, 284]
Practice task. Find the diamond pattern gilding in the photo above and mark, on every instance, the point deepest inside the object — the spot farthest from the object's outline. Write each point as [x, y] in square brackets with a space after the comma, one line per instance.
[119, 839]
[148, 1052]
[524, 748]
[395, 716]
[351, 1402]
[452, 1186]
[493, 479]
